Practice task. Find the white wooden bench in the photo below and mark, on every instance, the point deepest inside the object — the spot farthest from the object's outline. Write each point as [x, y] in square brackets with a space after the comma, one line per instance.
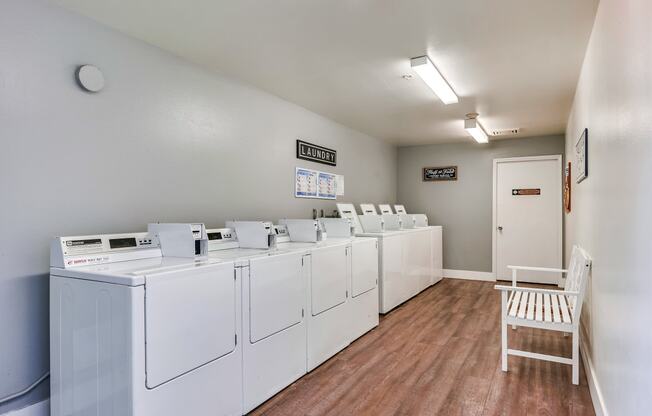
[556, 310]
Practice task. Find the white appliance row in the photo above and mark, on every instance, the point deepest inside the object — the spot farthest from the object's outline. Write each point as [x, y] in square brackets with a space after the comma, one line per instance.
[410, 251]
[181, 320]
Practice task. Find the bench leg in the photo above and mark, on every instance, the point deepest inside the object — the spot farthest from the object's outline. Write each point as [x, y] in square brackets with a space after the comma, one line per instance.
[503, 330]
[576, 358]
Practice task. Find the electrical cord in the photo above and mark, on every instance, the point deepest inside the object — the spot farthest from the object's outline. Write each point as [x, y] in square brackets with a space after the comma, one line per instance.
[26, 390]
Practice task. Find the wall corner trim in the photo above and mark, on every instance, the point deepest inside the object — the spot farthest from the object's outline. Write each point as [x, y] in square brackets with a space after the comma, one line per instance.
[469, 275]
[592, 378]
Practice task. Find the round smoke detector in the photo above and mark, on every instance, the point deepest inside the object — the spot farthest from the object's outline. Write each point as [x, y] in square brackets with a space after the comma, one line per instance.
[90, 78]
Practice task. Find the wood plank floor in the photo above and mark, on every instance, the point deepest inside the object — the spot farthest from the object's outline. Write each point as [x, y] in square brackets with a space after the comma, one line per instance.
[439, 354]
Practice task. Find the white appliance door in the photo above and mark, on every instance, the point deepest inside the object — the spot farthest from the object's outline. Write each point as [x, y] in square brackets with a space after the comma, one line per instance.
[528, 217]
[276, 294]
[437, 254]
[190, 320]
[364, 265]
[328, 278]
[392, 279]
[418, 260]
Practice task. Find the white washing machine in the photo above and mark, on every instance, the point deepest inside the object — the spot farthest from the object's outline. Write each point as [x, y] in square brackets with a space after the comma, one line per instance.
[142, 324]
[425, 248]
[328, 266]
[436, 233]
[363, 283]
[273, 307]
[404, 254]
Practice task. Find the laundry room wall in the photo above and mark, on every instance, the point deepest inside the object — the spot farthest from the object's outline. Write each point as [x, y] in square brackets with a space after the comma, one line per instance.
[463, 207]
[610, 209]
[164, 141]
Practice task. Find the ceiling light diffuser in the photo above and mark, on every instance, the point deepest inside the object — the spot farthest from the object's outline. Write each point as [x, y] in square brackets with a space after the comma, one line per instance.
[424, 67]
[475, 129]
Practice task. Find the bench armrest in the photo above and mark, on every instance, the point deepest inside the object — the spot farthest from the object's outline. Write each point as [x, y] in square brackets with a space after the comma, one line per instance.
[536, 290]
[538, 269]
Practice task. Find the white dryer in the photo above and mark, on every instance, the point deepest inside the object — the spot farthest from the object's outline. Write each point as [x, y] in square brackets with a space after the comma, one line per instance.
[142, 324]
[329, 324]
[273, 307]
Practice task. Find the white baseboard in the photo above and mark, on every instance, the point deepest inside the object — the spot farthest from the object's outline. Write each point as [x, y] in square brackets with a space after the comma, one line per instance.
[469, 275]
[37, 409]
[592, 379]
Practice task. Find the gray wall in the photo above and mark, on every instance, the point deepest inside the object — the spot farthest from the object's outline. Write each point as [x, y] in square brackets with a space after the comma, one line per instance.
[462, 207]
[165, 141]
[611, 208]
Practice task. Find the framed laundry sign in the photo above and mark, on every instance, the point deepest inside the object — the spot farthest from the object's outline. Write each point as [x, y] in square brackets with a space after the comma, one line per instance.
[316, 153]
[443, 173]
[582, 156]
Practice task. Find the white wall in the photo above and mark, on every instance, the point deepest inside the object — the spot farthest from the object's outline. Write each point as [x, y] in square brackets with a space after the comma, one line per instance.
[165, 141]
[611, 212]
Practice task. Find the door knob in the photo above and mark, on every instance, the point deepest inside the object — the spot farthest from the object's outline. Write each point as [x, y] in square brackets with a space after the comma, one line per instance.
[500, 228]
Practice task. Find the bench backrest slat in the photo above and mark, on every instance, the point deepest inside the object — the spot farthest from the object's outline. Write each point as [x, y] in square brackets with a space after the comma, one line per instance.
[576, 278]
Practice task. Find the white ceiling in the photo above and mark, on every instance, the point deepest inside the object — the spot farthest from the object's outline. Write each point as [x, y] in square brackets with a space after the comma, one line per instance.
[516, 62]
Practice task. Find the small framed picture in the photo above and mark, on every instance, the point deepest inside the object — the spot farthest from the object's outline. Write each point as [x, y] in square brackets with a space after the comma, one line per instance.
[567, 187]
[582, 156]
[445, 173]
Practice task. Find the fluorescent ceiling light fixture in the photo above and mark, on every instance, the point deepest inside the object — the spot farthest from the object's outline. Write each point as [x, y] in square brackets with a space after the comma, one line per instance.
[474, 128]
[431, 76]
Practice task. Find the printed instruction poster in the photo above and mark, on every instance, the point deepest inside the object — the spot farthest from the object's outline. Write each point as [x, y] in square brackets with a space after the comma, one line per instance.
[306, 183]
[310, 183]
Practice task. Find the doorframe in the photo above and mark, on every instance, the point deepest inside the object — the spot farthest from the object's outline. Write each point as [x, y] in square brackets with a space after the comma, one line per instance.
[494, 213]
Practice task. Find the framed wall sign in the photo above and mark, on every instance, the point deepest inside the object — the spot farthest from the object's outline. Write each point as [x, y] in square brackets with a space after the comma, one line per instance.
[567, 188]
[316, 153]
[582, 156]
[444, 173]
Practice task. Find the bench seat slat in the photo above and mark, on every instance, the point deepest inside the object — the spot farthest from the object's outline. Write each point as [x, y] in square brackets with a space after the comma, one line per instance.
[515, 301]
[523, 306]
[539, 315]
[555, 308]
[547, 307]
[564, 309]
[531, 306]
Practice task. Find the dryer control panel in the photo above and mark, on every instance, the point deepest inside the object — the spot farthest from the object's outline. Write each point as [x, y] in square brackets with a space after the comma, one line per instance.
[85, 250]
[221, 234]
[221, 239]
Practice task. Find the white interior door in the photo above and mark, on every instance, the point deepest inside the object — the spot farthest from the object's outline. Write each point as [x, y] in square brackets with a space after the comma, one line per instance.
[528, 216]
